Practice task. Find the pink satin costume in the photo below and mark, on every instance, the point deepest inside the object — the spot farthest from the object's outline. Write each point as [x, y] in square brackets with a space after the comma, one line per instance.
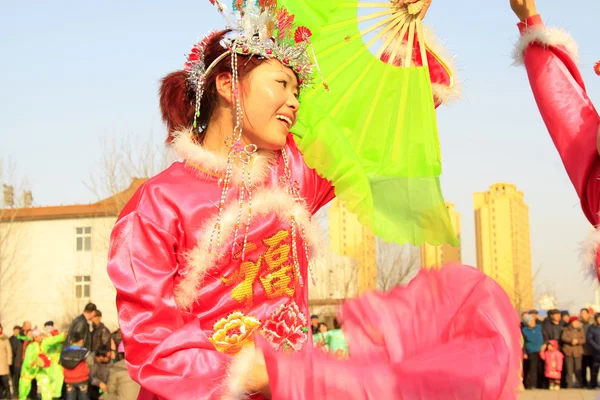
[186, 313]
[549, 55]
[181, 333]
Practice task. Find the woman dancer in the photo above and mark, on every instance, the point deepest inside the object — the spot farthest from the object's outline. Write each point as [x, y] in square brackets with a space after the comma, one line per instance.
[211, 258]
[550, 58]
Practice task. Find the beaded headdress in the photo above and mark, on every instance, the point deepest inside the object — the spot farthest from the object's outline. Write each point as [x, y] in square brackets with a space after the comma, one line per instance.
[257, 29]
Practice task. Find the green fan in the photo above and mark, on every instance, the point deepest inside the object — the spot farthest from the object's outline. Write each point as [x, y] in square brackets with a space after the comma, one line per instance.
[371, 128]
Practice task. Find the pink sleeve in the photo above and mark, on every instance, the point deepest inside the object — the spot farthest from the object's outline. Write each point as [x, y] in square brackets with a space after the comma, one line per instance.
[566, 109]
[561, 358]
[450, 334]
[316, 190]
[322, 192]
[167, 352]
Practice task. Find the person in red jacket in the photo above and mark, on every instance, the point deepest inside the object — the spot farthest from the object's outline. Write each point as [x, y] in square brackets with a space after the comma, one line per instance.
[76, 370]
[550, 58]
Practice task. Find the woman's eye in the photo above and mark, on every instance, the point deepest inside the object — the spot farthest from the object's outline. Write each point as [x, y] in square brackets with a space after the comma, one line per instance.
[284, 83]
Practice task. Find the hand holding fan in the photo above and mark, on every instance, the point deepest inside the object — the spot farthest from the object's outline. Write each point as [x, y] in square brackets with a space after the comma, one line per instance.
[372, 128]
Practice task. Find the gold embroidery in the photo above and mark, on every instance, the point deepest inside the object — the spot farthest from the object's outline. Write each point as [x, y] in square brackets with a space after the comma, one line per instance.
[244, 277]
[233, 333]
[277, 284]
[272, 269]
[277, 253]
[276, 281]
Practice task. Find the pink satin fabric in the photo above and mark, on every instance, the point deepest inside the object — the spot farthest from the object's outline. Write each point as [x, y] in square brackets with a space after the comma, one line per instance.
[568, 114]
[169, 352]
[449, 334]
[553, 365]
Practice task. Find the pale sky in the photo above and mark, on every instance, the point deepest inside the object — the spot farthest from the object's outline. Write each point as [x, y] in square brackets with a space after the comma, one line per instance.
[73, 72]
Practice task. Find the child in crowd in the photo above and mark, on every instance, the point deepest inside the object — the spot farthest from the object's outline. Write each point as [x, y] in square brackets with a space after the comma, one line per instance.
[554, 364]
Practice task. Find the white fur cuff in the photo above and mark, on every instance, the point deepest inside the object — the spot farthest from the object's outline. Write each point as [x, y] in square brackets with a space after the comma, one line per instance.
[445, 94]
[545, 37]
[238, 374]
[589, 249]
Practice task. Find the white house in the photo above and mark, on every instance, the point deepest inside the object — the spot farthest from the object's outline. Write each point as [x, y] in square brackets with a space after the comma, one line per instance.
[53, 261]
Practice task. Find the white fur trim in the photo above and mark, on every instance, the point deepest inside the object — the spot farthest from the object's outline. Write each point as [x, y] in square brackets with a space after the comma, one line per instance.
[546, 37]
[445, 94]
[265, 200]
[441, 93]
[238, 374]
[589, 249]
[184, 147]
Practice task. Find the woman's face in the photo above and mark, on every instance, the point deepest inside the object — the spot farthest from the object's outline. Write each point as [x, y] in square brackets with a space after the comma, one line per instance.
[269, 98]
[323, 328]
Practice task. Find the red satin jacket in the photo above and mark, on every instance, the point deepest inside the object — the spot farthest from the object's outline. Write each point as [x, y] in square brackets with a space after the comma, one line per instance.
[549, 55]
[184, 312]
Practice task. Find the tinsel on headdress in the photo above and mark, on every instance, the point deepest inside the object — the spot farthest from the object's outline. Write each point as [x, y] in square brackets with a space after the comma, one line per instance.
[257, 28]
[261, 29]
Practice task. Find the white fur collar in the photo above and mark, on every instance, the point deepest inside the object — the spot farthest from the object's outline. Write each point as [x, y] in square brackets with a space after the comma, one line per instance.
[266, 200]
[184, 147]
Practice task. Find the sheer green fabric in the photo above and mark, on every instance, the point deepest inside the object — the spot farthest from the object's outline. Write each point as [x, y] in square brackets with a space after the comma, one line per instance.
[374, 132]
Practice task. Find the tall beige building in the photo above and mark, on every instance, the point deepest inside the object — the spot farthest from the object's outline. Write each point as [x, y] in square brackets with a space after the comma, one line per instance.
[437, 256]
[503, 247]
[348, 238]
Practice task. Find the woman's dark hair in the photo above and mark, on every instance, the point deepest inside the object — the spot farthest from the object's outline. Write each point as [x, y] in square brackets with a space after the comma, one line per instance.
[337, 324]
[89, 307]
[178, 99]
[102, 351]
[116, 336]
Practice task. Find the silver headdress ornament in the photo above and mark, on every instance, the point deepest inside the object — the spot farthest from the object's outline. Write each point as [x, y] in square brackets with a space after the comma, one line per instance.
[260, 29]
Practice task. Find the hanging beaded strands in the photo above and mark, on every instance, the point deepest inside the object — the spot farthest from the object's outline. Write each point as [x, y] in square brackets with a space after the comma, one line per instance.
[259, 29]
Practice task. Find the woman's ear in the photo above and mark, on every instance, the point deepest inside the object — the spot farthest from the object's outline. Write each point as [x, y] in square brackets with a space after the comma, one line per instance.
[223, 84]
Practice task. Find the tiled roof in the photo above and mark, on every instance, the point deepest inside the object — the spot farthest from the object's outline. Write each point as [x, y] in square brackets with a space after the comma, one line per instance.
[110, 206]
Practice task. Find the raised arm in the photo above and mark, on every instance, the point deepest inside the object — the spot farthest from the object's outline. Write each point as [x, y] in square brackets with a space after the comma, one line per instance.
[550, 58]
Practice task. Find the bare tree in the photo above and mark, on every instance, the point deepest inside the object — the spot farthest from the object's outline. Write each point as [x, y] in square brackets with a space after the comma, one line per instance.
[535, 279]
[12, 235]
[396, 264]
[124, 159]
[524, 297]
[344, 275]
[70, 306]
